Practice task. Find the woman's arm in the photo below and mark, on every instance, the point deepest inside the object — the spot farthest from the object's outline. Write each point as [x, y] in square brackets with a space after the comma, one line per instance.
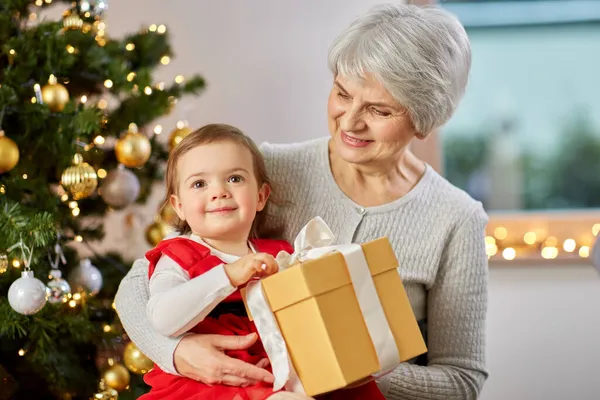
[177, 303]
[457, 307]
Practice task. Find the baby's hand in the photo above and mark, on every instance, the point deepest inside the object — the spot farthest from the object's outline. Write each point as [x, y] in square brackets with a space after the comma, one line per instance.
[250, 266]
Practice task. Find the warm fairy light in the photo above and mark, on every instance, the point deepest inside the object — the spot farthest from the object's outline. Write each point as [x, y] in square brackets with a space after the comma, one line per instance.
[87, 14]
[179, 79]
[12, 52]
[48, 1]
[165, 60]
[596, 229]
[491, 249]
[530, 238]
[2, 189]
[550, 241]
[39, 3]
[106, 328]
[77, 296]
[108, 83]
[79, 238]
[102, 104]
[182, 124]
[569, 245]
[130, 47]
[101, 173]
[130, 76]
[24, 176]
[16, 263]
[70, 49]
[72, 303]
[33, 17]
[152, 28]
[21, 352]
[64, 197]
[84, 99]
[549, 252]
[161, 29]
[99, 140]
[75, 212]
[500, 233]
[148, 90]
[584, 251]
[33, 100]
[158, 129]
[135, 89]
[72, 204]
[160, 86]
[101, 25]
[509, 253]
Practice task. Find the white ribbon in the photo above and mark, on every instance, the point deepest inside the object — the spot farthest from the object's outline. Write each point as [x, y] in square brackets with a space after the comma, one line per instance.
[314, 241]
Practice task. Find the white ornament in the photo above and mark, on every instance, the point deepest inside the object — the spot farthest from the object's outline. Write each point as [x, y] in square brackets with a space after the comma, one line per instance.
[27, 295]
[120, 188]
[86, 277]
[57, 288]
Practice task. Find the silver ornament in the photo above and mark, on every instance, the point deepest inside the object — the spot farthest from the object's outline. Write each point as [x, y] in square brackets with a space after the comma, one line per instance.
[57, 289]
[27, 295]
[86, 278]
[120, 188]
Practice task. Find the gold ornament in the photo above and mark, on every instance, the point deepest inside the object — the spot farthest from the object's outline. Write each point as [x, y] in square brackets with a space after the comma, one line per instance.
[133, 149]
[135, 360]
[168, 214]
[105, 392]
[9, 153]
[117, 377]
[157, 231]
[72, 22]
[80, 179]
[55, 95]
[177, 136]
[3, 263]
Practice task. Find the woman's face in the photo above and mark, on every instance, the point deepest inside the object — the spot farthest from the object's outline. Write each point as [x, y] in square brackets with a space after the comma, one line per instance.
[367, 124]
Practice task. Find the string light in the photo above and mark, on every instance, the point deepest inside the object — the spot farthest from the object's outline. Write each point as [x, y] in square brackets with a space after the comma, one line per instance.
[16, 263]
[152, 28]
[148, 90]
[64, 197]
[75, 211]
[70, 49]
[161, 29]
[584, 251]
[102, 104]
[129, 46]
[24, 176]
[530, 238]
[160, 86]
[99, 140]
[77, 296]
[108, 83]
[158, 129]
[72, 303]
[596, 229]
[101, 173]
[569, 245]
[21, 352]
[84, 99]
[500, 233]
[79, 238]
[549, 252]
[48, 1]
[130, 76]
[179, 79]
[72, 204]
[39, 3]
[33, 16]
[509, 253]
[106, 328]
[2, 189]
[550, 241]
[165, 60]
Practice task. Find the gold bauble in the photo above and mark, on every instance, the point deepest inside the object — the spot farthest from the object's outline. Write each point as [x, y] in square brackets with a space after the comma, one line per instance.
[105, 392]
[168, 214]
[135, 360]
[177, 136]
[133, 149]
[157, 231]
[80, 179]
[117, 377]
[3, 263]
[72, 22]
[9, 153]
[55, 95]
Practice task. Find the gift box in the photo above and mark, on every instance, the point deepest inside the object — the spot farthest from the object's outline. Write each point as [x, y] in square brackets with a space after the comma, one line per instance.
[329, 334]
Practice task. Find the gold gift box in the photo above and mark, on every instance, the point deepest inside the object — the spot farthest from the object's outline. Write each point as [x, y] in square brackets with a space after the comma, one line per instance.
[320, 319]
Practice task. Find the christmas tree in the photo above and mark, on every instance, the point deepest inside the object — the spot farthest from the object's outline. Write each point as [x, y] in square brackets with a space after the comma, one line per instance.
[75, 107]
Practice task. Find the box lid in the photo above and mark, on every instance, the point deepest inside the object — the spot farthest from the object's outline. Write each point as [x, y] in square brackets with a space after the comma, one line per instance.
[315, 277]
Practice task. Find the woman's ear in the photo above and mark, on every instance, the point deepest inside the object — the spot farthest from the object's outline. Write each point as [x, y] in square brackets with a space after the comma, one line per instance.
[176, 204]
[263, 195]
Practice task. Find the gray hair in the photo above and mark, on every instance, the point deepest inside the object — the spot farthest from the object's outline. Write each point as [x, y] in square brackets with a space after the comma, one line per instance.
[421, 55]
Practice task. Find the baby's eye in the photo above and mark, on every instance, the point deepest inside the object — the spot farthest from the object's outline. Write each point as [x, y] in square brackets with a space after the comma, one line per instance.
[198, 184]
[235, 179]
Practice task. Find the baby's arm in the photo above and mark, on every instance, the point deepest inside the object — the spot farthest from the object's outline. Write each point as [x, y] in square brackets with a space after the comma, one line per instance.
[177, 303]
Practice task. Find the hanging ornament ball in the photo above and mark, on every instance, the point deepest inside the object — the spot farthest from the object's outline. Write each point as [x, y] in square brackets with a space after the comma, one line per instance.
[3, 263]
[120, 188]
[27, 295]
[168, 214]
[57, 289]
[80, 179]
[177, 136]
[157, 231]
[55, 95]
[9, 153]
[86, 277]
[72, 22]
[135, 360]
[105, 392]
[133, 149]
[117, 377]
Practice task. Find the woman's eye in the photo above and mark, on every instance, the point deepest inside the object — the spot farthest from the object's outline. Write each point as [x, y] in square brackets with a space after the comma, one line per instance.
[198, 184]
[343, 95]
[381, 113]
[236, 179]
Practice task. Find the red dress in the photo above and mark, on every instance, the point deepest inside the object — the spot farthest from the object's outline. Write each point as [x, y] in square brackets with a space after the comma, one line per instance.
[196, 259]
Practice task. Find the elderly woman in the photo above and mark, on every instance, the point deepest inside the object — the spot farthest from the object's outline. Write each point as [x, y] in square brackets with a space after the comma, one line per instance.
[399, 72]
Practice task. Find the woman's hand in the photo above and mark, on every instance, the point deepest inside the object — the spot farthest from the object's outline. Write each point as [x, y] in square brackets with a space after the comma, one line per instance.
[200, 357]
[250, 266]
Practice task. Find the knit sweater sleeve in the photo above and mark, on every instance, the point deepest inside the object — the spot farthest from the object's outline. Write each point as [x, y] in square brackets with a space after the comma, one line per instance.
[457, 306]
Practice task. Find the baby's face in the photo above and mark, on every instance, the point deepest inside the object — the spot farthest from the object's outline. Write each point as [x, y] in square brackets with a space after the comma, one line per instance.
[218, 194]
